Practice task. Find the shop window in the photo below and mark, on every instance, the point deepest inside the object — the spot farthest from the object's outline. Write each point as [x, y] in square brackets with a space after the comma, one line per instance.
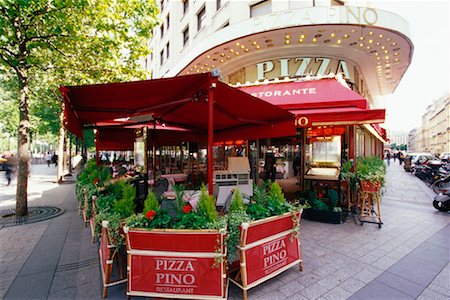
[186, 36]
[201, 16]
[261, 8]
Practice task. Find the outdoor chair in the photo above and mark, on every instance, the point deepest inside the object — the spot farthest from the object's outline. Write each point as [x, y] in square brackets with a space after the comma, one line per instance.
[161, 185]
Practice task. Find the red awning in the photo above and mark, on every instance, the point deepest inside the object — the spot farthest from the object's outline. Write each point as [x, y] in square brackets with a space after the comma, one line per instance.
[178, 101]
[307, 94]
[319, 102]
[340, 116]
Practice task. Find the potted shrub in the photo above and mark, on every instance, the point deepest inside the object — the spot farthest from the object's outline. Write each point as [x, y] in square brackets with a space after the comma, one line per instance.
[323, 208]
[370, 172]
[179, 255]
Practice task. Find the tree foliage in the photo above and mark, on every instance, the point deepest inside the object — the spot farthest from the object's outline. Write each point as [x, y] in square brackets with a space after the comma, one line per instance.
[45, 44]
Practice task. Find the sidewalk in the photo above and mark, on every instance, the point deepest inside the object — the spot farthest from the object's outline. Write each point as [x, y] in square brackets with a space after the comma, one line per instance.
[408, 258]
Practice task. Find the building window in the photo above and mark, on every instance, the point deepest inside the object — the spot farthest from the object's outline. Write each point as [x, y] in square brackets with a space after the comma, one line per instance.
[201, 16]
[337, 3]
[185, 6]
[167, 50]
[218, 4]
[167, 22]
[163, 4]
[161, 56]
[261, 8]
[162, 30]
[186, 36]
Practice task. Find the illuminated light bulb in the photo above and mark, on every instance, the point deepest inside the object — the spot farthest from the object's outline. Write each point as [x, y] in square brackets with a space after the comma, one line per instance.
[287, 42]
[370, 41]
[380, 36]
[195, 67]
[338, 41]
[228, 56]
[221, 60]
[187, 72]
[396, 59]
[242, 46]
[371, 33]
[368, 47]
[212, 66]
[237, 53]
[346, 36]
[396, 53]
[257, 47]
[314, 40]
[288, 36]
[393, 44]
[300, 40]
[302, 36]
[382, 47]
[231, 50]
[332, 35]
[222, 54]
[361, 45]
[246, 49]
[353, 30]
[388, 39]
[237, 44]
[385, 51]
[378, 44]
[207, 56]
[387, 57]
[254, 43]
[361, 38]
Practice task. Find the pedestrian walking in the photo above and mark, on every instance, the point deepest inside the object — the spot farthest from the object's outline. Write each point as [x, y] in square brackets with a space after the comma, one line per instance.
[10, 168]
[388, 158]
[48, 159]
[401, 157]
[55, 159]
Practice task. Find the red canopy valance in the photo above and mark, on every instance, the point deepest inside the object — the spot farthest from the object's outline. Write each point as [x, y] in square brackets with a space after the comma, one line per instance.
[322, 102]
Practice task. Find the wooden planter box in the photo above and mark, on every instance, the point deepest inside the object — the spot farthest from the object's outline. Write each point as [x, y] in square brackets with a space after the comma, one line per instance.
[183, 264]
[107, 256]
[324, 216]
[268, 247]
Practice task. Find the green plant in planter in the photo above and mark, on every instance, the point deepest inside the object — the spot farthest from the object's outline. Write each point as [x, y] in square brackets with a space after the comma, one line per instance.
[345, 173]
[125, 206]
[370, 169]
[235, 217]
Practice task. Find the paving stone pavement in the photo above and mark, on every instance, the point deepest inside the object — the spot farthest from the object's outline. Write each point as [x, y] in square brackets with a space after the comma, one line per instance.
[407, 258]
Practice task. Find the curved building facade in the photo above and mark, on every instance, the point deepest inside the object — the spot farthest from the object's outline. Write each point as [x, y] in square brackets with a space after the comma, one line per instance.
[260, 43]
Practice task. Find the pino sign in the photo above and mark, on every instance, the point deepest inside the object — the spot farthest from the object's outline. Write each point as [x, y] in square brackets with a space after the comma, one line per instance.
[268, 247]
[164, 264]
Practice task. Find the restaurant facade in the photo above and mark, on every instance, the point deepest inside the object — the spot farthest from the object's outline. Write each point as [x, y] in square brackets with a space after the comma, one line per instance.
[328, 62]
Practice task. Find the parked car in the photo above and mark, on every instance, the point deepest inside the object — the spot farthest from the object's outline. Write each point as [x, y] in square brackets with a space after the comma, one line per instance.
[412, 159]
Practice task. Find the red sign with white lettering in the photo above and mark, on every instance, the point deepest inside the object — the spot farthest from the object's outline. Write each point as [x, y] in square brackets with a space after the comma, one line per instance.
[271, 246]
[167, 263]
[269, 257]
[175, 275]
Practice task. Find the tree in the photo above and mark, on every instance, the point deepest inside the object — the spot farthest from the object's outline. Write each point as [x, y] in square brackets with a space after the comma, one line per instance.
[45, 43]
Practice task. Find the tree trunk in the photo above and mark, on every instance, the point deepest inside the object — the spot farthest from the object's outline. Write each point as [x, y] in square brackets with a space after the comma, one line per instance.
[22, 147]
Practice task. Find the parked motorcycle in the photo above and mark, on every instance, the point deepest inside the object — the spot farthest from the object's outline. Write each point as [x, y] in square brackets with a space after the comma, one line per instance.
[442, 201]
[430, 171]
[441, 183]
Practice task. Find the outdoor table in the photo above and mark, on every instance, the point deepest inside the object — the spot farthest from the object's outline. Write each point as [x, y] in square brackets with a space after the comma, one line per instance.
[177, 178]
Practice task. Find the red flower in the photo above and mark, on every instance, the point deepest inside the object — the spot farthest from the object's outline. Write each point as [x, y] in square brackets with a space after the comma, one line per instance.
[187, 208]
[150, 214]
[96, 181]
[320, 195]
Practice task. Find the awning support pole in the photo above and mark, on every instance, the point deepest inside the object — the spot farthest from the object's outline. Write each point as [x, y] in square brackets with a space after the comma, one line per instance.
[211, 134]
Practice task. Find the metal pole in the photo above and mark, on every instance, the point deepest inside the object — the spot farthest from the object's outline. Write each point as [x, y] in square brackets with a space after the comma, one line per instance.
[211, 134]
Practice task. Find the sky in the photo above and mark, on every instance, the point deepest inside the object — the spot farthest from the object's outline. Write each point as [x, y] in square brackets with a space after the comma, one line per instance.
[427, 77]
